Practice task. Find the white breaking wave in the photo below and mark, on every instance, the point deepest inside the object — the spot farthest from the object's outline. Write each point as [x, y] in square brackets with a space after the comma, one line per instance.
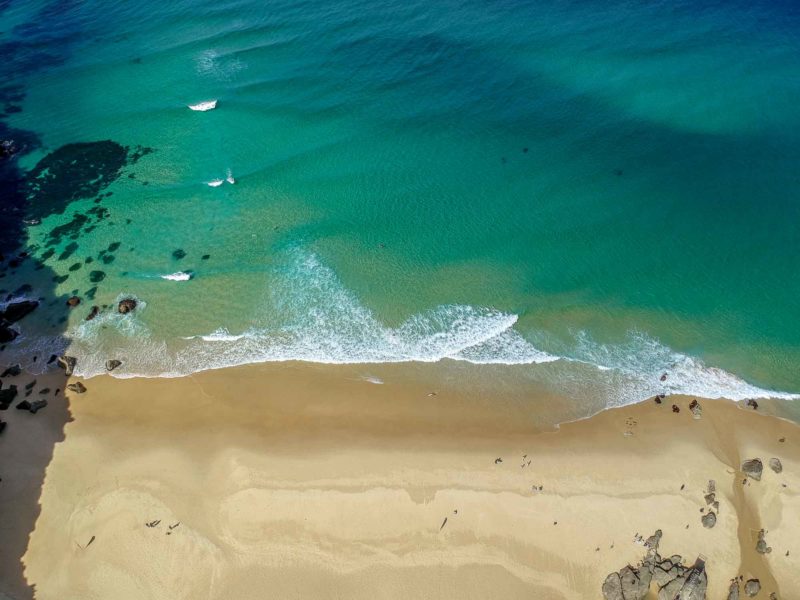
[204, 106]
[321, 321]
[215, 182]
[179, 276]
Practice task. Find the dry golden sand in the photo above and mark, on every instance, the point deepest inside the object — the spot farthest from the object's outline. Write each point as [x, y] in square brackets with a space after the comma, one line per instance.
[292, 481]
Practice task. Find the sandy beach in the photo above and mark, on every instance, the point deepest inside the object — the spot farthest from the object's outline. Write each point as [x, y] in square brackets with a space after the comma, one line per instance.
[296, 481]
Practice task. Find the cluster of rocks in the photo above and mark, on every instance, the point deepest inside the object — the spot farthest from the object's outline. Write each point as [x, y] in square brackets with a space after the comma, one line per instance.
[753, 468]
[709, 519]
[751, 589]
[672, 578]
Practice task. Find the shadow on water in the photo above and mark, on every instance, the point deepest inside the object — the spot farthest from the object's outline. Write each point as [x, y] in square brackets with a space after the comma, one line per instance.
[27, 439]
[33, 314]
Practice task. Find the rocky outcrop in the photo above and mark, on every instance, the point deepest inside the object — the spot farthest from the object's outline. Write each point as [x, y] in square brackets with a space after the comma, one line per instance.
[7, 334]
[126, 305]
[93, 313]
[112, 364]
[753, 468]
[775, 465]
[15, 311]
[67, 363]
[73, 301]
[673, 579]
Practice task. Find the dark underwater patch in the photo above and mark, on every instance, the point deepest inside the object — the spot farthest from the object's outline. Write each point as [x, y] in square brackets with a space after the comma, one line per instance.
[97, 276]
[73, 172]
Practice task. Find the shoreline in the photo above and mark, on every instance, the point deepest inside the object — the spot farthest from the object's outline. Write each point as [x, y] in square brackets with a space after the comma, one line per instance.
[312, 483]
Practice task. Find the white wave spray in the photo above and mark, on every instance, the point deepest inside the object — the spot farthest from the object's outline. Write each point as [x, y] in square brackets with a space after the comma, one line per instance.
[323, 322]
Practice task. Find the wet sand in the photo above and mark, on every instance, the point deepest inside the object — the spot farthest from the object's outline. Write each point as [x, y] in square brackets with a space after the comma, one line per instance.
[300, 481]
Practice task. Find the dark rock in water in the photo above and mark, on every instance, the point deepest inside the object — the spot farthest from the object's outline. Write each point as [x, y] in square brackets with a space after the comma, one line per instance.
[44, 390]
[91, 292]
[12, 371]
[24, 405]
[7, 396]
[753, 404]
[36, 405]
[74, 171]
[108, 259]
[753, 468]
[96, 276]
[663, 377]
[2, 426]
[93, 313]
[179, 254]
[205, 257]
[126, 305]
[7, 334]
[709, 520]
[752, 587]
[52, 358]
[112, 364]
[73, 301]
[775, 464]
[76, 387]
[657, 400]
[70, 248]
[14, 312]
[75, 266]
[113, 247]
[67, 363]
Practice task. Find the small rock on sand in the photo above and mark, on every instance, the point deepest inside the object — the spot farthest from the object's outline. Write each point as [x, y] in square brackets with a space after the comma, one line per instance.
[752, 587]
[753, 468]
[709, 520]
[76, 387]
[112, 364]
[775, 465]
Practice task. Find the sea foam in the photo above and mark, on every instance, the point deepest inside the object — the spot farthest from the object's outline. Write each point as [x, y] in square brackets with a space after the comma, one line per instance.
[321, 321]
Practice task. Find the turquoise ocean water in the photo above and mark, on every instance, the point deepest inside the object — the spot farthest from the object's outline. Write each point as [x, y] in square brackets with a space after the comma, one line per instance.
[580, 194]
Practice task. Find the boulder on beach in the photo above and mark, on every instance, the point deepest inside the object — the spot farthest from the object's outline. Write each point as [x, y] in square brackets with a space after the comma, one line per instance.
[76, 387]
[752, 587]
[12, 371]
[73, 301]
[7, 396]
[753, 468]
[112, 364]
[67, 363]
[775, 465]
[126, 305]
[709, 520]
[673, 579]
